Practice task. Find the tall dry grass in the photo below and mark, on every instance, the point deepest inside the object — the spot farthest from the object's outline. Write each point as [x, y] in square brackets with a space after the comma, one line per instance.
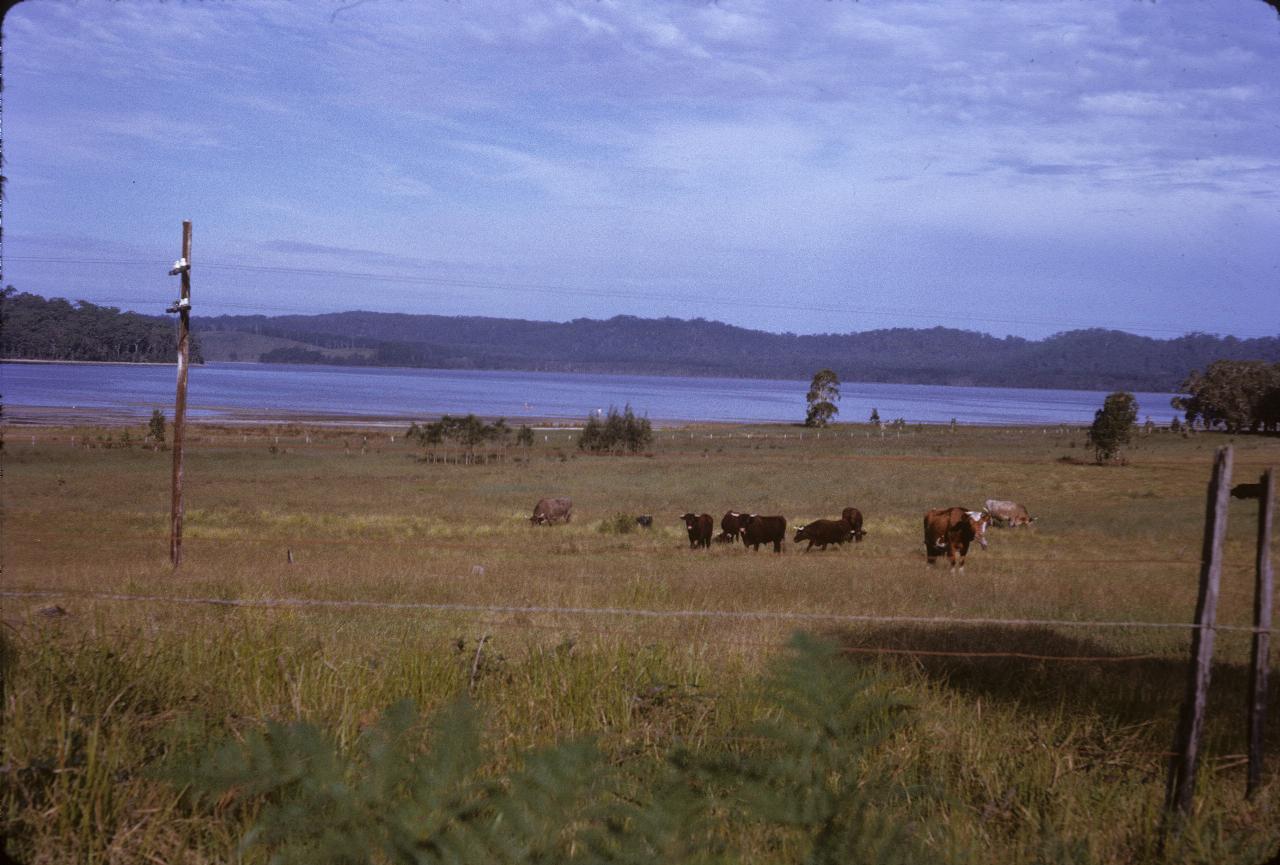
[1005, 746]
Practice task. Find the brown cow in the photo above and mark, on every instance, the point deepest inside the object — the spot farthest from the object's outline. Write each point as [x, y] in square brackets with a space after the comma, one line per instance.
[731, 525]
[699, 527]
[553, 510]
[764, 530]
[853, 517]
[823, 533]
[952, 530]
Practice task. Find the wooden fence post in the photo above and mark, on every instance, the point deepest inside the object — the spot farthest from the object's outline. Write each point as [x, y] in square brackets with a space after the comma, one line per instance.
[1261, 638]
[181, 268]
[1186, 744]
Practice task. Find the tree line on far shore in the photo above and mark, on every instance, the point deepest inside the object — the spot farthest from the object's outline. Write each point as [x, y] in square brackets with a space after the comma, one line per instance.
[34, 328]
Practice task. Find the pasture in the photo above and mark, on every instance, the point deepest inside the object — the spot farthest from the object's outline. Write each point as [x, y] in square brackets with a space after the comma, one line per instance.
[1017, 734]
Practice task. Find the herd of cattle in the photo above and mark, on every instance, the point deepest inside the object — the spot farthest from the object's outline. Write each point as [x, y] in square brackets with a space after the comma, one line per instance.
[946, 530]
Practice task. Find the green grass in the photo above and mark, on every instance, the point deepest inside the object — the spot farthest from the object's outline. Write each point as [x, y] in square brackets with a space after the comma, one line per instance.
[1003, 745]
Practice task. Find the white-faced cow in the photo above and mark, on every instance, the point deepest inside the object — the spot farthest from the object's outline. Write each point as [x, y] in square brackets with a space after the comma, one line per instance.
[951, 530]
[550, 511]
[1009, 513]
[699, 527]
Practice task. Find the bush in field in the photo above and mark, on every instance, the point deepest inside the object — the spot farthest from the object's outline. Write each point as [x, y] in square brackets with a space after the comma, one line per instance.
[386, 800]
[1113, 425]
[618, 524]
[618, 432]
[155, 428]
[524, 437]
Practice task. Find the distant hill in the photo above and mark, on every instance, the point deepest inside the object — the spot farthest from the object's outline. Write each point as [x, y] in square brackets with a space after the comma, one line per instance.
[1094, 359]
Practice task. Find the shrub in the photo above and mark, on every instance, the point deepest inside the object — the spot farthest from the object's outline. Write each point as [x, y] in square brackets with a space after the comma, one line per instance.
[1113, 426]
[618, 524]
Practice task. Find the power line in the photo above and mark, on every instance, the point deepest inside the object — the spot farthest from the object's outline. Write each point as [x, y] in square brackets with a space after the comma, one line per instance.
[550, 288]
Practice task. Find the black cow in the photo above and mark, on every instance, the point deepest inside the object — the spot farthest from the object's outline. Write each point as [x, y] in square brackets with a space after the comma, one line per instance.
[645, 521]
[699, 527]
[764, 530]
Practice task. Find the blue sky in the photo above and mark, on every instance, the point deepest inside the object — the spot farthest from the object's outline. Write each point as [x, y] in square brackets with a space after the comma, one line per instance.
[1011, 167]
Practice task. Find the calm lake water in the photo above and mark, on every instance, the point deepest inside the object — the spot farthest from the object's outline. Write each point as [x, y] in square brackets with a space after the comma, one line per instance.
[230, 391]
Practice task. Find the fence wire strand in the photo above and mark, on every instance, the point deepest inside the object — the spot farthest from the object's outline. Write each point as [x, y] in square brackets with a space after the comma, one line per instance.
[742, 615]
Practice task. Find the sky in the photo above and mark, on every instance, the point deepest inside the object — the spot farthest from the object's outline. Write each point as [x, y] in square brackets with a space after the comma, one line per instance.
[1011, 167]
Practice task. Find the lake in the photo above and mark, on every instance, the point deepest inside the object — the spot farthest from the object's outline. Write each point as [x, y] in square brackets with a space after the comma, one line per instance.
[66, 392]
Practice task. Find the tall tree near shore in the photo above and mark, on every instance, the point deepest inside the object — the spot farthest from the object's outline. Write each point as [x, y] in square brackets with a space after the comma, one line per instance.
[824, 393]
[1113, 425]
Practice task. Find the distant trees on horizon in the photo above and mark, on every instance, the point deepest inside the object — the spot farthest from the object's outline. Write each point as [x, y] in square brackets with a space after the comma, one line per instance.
[34, 328]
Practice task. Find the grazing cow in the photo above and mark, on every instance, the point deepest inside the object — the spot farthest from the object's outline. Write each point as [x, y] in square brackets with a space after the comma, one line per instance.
[764, 530]
[731, 525]
[853, 517]
[699, 527]
[952, 530]
[724, 538]
[550, 511]
[645, 521]
[824, 532]
[1008, 513]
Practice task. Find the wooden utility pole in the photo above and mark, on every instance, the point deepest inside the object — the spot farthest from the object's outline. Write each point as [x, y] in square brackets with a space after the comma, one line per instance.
[1186, 745]
[182, 268]
[1262, 595]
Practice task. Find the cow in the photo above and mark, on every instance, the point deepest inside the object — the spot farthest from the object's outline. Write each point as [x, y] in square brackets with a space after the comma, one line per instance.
[645, 521]
[699, 527]
[724, 538]
[550, 511]
[952, 530]
[1008, 513]
[731, 525]
[823, 533]
[853, 517]
[764, 530]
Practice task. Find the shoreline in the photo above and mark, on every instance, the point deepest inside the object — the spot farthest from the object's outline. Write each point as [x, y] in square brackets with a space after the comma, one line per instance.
[60, 416]
[29, 417]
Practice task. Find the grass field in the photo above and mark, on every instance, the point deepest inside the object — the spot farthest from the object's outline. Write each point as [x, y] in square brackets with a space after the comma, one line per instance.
[1003, 741]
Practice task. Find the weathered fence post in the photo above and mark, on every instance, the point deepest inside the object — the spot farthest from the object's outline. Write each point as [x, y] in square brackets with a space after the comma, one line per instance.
[1261, 637]
[182, 306]
[1186, 743]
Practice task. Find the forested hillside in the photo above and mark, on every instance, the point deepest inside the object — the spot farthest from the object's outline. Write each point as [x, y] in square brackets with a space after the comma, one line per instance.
[55, 329]
[1086, 359]
[36, 328]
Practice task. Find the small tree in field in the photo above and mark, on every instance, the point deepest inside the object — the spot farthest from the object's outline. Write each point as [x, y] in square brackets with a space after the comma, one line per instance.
[524, 437]
[824, 393]
[618, 432]
[155, 429]
[1113, 425]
